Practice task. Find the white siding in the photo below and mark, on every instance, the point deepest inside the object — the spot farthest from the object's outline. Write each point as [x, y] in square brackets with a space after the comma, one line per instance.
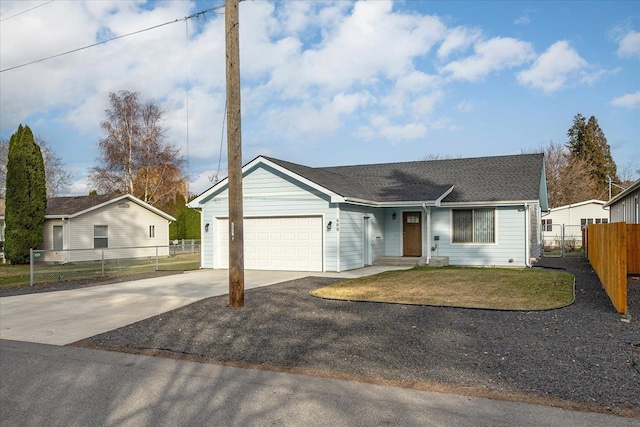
[128, 227]
[510, 240]
[572, 214]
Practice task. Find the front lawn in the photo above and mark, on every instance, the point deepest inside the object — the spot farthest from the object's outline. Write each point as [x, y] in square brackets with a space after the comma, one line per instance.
[489, 288]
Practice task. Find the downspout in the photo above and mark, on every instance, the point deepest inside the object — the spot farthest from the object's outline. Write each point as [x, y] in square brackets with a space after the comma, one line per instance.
[427, 212]
[338, 239]
[68, 221]
[527, 248]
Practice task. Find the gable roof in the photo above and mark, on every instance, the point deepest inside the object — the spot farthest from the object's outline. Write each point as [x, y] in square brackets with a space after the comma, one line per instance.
[469, 180]
[575, 205]
[73, 206]
[633, 187]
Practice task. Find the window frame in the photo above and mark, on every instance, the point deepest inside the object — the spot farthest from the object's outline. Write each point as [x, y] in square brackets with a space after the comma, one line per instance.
[474, 226]
[54, 240]
[99, 238]
[152, 231]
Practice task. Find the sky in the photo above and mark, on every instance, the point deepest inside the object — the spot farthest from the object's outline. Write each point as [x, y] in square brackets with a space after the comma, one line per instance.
[327, 83]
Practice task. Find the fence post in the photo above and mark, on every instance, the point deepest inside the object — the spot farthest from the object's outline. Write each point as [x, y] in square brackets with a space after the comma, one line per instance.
[30, 266]
[156, 258]
[102, 250]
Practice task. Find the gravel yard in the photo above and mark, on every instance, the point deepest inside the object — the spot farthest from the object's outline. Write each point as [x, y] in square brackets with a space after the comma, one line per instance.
[582, 356]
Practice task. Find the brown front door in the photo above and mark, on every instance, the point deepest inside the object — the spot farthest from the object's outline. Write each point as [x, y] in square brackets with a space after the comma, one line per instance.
[412, 233]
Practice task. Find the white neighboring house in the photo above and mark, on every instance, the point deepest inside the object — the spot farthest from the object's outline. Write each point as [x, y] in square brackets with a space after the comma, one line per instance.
[77, 228]
[568, 221]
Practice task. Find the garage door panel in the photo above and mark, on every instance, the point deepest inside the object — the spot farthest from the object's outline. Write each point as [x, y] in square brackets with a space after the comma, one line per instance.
[277, 243]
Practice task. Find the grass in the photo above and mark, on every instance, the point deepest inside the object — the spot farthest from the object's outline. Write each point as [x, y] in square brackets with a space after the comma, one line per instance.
[18, 275]
[488, 288]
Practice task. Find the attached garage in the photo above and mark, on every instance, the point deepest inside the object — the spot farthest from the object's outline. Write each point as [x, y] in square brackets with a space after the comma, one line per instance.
[276, 243]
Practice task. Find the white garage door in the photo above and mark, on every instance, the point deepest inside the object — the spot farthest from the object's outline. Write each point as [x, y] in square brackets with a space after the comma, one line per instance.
[276, 243]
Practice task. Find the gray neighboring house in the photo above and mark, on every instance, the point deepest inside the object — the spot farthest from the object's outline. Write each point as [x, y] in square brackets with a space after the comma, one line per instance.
[477, 211]
[624, 207]
[91, 223]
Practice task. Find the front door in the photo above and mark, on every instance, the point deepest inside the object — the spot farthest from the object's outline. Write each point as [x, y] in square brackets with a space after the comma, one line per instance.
[412, 233]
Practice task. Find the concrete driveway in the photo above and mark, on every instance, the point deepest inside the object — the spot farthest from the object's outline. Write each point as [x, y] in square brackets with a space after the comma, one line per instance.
[64, 317]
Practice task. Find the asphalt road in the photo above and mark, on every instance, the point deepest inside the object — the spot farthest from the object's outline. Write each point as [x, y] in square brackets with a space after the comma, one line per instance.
[67, 386]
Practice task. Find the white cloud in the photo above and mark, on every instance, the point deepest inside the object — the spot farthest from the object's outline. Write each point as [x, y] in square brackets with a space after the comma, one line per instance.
[491, 55]
[350, 53]
[554, 69]
[458, 39]
[629, 44]
[382, 128]
[630, 100]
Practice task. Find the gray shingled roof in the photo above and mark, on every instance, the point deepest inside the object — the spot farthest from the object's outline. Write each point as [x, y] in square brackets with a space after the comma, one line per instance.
[481, 179]
[74, 204]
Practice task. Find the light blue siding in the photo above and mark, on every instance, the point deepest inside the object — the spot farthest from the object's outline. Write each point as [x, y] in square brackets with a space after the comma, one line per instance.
[510, 240]
[352, 235]
[268, 193]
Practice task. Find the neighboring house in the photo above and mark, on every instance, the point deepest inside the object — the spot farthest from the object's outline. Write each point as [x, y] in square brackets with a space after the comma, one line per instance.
[566, 222]
[78, 228]
[478, 211]
[624, 207]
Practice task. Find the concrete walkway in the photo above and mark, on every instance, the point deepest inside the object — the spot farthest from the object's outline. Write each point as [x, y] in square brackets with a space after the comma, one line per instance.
[68, 386]
[64, 317]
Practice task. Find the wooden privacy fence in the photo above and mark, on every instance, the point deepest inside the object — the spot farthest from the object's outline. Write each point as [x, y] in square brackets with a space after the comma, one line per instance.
[614, 251]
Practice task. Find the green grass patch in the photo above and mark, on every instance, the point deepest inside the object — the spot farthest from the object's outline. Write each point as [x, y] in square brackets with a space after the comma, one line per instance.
[488, 288]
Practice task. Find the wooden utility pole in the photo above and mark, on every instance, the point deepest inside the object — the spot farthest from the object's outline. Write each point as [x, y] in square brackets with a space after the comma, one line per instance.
[234, 150]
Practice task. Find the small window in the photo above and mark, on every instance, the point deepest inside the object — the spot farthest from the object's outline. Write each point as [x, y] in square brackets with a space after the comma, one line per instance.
[152, 231]
[413, 218]
[590, 221]
[100, 236]
[583, 221]
[57, 238]
[598, 221]
[547, 225]
[605, 220]
[474, 226]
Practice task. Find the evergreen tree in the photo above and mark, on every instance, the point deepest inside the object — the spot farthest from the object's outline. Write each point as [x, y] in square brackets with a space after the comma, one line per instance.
[26, 196]
[187, 223]
[588, 143]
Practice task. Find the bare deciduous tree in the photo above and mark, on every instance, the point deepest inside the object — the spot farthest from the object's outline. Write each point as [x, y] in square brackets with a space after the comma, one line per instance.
[135, 158]
[568, 177]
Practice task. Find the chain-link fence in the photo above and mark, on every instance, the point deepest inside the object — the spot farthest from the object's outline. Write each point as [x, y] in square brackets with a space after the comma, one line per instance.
[48, 266]
[560, 240]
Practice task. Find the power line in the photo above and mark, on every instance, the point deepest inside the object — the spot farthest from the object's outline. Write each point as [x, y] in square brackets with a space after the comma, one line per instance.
[25, 11]
[114, 38]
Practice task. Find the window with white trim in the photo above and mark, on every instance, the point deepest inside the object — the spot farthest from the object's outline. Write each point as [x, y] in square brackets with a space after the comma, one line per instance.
[547, 225]
[152, 231]
[474, 226]
[100, 236]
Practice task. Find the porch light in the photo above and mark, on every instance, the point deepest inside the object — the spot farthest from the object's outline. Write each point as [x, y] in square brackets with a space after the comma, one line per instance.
[393, 216]
[329, 226]
[206, 228]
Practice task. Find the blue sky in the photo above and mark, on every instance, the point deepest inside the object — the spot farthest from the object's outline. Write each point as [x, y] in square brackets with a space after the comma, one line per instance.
[329, 83]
